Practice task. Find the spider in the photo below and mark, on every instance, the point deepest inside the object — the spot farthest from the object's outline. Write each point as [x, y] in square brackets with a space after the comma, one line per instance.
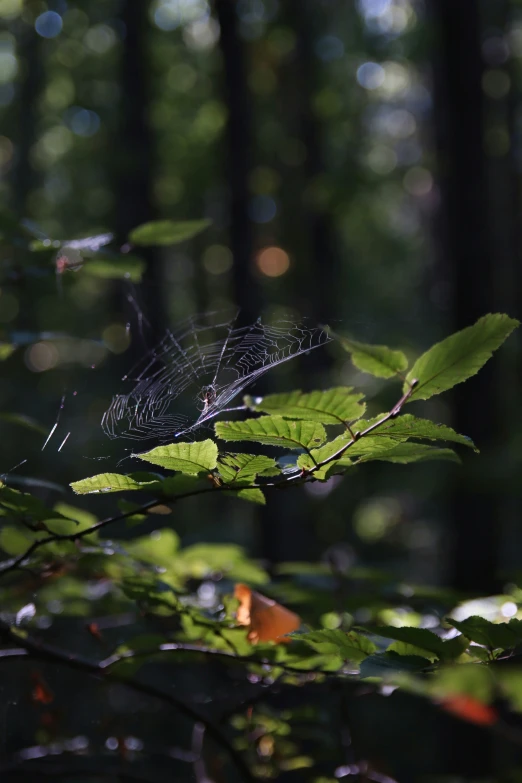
[207, 396]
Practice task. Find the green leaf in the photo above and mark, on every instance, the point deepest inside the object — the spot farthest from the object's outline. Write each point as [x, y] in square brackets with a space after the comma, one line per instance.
[190, 458]
[377, 360]
[403, 648]
[167, 232]
[25, 506]
[405, 453]
[20, 420]
[15, 541]
[273, 431]
[407, 426]
[158, 548]
[334, 406]
[124, 267]
[253, 495]
[389, 663]
[180, 484]
[350, 646]
[459, 356]
[201, 560]
[365, 447]
[110, 482]
[422, 638]
[494, 635]
[6, 349]
[243, 468]
[465, 678]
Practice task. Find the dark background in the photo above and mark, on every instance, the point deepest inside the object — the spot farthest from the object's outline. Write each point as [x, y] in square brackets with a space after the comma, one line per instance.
[361, 163]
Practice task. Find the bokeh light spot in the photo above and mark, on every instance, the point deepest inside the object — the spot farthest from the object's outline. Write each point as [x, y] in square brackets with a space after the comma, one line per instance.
[82, 122]
[41, 357]
[264, 180]
[8, 67]
[418, 181]
[509, 609]
[370, 75]
[262, 209]
[381, 159]
[116, 338]
[8, 306]
[496, 83]
[217, 259]
[329, 48]
[10, 9]
[497, 141]
[49, 24]
[100, 38]
[273, 261]
[374, 519]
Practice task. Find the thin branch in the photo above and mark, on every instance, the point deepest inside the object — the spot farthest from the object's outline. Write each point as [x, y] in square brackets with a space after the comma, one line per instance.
[303, 477]
[11, 565]
[393, 413]
[55, 655]
[211, 651]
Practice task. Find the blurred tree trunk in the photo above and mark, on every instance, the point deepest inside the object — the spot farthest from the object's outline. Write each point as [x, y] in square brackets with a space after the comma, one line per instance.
[317, 293]
[134, 156]
[30, 55]
[24, 177]
[238, 159]
[466, 263]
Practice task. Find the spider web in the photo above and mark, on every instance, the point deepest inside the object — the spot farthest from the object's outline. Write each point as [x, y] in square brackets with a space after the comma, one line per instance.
[216, 361]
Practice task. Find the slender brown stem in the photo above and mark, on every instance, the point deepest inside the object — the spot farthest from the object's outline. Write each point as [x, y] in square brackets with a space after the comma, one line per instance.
[52, 654]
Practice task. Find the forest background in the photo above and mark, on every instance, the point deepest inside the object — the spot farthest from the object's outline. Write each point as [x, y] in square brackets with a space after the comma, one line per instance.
[359, 165]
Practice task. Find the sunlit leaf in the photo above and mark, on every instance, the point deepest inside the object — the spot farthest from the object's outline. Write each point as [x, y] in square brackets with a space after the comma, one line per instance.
[334, 406]
[190, 458]
[167, 232]
[459, 356]
[407, 426]
[378, 360]
[254, 495]
[349, 645]
[273, 431]
[110, 482]
[350, 451]
[239, 468]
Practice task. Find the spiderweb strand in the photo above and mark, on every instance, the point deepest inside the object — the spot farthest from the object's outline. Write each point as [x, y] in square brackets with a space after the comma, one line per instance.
[216, 362]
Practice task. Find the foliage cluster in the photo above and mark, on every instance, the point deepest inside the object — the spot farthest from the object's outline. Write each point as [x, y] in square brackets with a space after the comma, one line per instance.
[187, 595]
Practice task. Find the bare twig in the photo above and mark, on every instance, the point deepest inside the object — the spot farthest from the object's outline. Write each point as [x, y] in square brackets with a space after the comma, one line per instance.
[55, 655]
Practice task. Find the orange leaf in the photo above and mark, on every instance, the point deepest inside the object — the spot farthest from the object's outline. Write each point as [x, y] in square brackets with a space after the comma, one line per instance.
[41, 691]
[470, 709]
[94, 630]
[267, 620]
